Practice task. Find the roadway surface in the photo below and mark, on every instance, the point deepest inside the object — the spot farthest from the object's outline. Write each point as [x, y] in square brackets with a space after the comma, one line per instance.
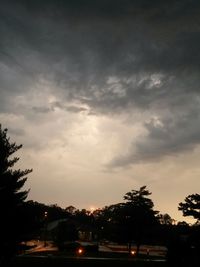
[108, 255]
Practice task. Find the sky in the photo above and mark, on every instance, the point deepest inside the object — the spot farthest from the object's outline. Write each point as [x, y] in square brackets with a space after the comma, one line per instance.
[104, 96]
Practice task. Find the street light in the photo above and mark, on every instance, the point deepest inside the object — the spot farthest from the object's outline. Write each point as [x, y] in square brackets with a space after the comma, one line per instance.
[45, 227]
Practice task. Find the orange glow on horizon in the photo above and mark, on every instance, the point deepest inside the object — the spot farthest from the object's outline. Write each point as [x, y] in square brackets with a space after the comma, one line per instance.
[92, 209]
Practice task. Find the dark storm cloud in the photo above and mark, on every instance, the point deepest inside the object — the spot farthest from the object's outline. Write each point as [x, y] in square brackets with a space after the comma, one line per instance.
[113, 56]
[168, 137]
[42, 109]
[60, 105]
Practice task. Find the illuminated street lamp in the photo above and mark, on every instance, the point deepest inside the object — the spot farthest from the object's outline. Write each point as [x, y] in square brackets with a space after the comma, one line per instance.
[45, 227]
[133, 252]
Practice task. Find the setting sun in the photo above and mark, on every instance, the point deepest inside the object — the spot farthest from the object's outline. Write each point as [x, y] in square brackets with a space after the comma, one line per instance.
[92, 209]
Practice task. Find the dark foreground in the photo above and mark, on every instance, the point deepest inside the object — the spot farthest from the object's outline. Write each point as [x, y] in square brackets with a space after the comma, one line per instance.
[82, 262]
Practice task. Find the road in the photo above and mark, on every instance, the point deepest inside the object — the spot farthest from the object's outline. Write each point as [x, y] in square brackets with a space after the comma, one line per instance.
[50, 261]
[159, 251]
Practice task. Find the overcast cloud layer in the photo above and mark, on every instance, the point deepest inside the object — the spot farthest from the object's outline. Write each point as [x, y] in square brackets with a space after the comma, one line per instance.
[123, 75]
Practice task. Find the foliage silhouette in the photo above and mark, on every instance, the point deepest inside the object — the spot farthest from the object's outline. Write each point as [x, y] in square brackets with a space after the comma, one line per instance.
[131, 221]
[191, 206]
[139, 216]
[11, 196]
[65, 232]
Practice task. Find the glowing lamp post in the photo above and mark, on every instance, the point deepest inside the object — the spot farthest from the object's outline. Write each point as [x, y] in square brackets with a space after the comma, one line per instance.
[45, 227]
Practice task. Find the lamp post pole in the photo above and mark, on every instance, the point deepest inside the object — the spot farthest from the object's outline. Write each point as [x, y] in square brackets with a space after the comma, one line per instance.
[45, 228]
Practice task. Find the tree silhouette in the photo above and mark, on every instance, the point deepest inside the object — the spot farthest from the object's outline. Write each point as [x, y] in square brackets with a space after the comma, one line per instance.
[165, 219]
[139, 215]
[131, 221]
[139, 198]
[66, 231]
[191, 206]
[109, 222]
[11, 196]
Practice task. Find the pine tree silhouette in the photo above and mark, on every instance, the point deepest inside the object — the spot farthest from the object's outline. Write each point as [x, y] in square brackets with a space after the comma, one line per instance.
[11, 196]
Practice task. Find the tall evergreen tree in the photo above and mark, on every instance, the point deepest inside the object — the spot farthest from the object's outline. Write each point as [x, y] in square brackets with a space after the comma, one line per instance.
[11, 195]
